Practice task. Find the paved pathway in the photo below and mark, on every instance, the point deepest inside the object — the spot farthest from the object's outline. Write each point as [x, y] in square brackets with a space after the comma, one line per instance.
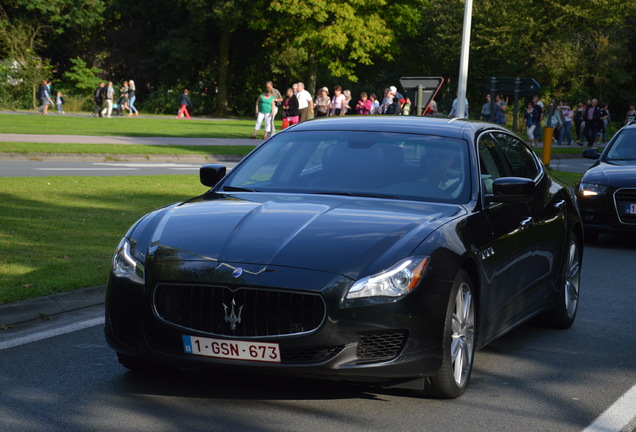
[87, 139]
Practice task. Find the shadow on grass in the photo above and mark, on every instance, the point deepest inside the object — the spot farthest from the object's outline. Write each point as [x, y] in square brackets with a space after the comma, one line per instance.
[64, 240]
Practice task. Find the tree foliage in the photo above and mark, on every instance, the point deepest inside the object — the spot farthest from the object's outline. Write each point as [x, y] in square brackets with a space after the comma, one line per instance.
[224, 50]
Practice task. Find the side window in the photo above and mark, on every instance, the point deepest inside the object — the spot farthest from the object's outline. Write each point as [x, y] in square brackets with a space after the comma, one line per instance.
[491, 163]
[522, 161]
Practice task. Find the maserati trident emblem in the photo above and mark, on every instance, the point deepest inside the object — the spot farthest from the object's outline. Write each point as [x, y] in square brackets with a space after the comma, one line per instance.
[233, 317]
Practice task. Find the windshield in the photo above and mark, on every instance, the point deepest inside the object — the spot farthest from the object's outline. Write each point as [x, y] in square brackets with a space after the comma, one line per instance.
[624, 146]
[387, 165]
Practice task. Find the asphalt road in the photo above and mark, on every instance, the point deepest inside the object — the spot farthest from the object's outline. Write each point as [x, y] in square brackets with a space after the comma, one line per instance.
[47, 167]
[19, 168]
[59, 374]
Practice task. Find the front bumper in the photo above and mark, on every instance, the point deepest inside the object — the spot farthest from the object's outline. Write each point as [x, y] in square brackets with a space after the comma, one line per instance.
[607, 213]
[383, 342]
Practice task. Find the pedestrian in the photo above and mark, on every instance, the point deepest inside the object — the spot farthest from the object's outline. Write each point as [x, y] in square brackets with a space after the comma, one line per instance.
[631, 115]
[500, 110]
[592, 118]
[565, 137]
[605, 119]
[98, 97]
[364, 105]
[59, 101]
[530, 117]
[349, 108]
[322, 104]
[122, 103]
[578, 121]
[110, 95]
[337, 103]
[290, 108]
[184, 103]
[538, 116]
[278, 101]
[132, 97]
[431, 109]
[44, 94]
[554, 120]
[485, 109]
[305, 102]
[375, 104]
[453, 111]
[387, 101]
[264, 112]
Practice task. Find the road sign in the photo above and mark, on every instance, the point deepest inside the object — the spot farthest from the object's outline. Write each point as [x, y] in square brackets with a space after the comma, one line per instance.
[427, 87]
[516, 87]
[508, 86]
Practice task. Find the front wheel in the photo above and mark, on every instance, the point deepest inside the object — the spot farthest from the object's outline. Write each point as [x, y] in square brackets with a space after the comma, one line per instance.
[458, 343]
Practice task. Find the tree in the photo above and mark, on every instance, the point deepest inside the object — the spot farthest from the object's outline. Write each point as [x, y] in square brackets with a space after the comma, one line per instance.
[22, 69]
[340, 35]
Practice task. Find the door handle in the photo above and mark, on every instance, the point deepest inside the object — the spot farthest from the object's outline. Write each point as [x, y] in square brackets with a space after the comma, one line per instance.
[526, 222]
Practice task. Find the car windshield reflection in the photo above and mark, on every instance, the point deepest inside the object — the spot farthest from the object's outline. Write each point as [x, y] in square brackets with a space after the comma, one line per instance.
[624, 147]
[368, 164]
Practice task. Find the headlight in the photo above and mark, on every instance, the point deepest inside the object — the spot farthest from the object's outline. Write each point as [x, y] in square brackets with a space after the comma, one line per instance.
[394, 282]
[126, 266]
[591, 189]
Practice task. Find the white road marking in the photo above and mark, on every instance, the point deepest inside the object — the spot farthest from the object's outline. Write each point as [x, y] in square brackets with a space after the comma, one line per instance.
[147, 165]
[86, 169]
[621, 414]
[80, 325]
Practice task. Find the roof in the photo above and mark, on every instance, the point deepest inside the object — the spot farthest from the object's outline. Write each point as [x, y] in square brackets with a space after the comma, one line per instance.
[405, 124]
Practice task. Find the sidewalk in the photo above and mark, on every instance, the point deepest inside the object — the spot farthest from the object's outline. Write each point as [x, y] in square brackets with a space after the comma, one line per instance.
[48, 306]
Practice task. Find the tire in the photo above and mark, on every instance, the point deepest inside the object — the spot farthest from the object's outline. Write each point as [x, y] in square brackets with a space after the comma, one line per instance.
[563, 315]
[458, 343]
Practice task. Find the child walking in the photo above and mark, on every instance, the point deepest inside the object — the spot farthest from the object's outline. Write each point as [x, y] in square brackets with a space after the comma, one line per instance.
[59, 101]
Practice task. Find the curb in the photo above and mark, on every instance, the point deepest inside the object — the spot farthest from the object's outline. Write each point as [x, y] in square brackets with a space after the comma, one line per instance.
[31, 309]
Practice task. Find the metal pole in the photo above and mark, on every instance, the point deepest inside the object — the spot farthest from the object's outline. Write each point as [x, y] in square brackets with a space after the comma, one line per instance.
[420, 98]
[493, 96]
[463, 63]
[515, 117]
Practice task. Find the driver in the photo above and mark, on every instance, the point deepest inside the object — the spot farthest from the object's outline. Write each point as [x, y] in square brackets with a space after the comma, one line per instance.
[436, 166]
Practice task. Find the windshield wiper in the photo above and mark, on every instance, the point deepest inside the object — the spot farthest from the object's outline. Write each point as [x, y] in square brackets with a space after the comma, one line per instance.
[358, 194]
[236, 189]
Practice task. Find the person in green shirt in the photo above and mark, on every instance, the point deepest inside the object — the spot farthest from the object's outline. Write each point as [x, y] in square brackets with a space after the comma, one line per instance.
[264, 112]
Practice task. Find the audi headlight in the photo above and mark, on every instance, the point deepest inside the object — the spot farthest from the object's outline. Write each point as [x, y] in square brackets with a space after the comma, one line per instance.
[397, 281]
[126, 266]
[591, 189]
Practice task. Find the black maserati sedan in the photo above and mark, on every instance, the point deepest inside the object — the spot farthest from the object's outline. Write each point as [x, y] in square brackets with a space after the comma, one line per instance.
[607, 191]
[373, 249]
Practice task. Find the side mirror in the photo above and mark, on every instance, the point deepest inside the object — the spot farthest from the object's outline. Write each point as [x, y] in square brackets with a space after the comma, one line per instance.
[512, 189]
[209, 175]
[591, 153]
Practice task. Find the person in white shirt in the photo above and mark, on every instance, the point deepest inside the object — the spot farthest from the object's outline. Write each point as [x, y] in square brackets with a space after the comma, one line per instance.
[305, 102]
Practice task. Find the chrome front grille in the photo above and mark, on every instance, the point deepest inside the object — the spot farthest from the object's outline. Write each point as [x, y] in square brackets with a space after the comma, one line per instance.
[623, 198]
[244, 312]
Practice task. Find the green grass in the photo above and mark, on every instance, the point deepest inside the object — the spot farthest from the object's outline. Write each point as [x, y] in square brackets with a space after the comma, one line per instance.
[121, 149]
[567, 177]
[58, 233]
[124, 126]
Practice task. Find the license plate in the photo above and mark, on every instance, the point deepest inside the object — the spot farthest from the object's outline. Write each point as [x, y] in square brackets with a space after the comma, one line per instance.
[630, 209]
[231, 349]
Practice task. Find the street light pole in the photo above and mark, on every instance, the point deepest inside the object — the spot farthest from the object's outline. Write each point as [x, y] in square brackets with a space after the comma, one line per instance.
[463, 62]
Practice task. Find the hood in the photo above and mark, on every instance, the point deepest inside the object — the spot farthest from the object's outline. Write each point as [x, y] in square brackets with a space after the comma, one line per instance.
[618, 174]
[341, 235]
